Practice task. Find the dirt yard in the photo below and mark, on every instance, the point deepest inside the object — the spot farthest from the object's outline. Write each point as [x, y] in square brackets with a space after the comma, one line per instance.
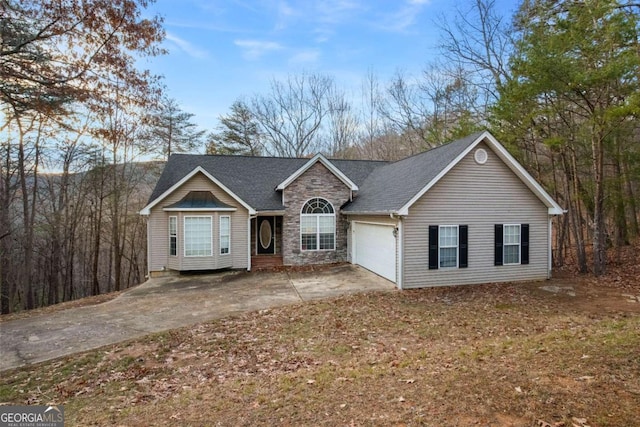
[560, 353]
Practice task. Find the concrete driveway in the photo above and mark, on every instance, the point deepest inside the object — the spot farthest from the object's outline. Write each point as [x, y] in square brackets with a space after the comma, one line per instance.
[172, 302]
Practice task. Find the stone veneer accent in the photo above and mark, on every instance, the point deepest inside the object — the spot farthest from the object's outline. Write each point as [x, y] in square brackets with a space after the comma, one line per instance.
[317, 181]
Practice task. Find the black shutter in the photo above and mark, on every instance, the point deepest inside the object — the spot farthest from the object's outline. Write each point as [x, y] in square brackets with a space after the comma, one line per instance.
[463, 237]
[498, 245]
[433, 247]
[524, 243]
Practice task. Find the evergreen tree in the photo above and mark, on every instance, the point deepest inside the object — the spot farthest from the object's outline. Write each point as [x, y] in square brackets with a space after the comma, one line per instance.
[170, 130]
[575, 84]
[238, 133]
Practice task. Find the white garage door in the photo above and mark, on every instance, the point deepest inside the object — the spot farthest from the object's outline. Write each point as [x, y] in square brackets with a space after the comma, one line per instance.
[374, 248]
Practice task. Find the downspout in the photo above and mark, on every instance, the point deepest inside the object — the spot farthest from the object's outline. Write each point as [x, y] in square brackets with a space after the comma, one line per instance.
[249, 242]
[399, 250]
[146, 220]
[550, 255]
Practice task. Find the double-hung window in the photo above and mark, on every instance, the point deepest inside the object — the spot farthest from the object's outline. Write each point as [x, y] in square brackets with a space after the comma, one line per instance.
[225, 234]
[317, 226]
[448, 246]
[197, 236]
[511, 244]
[173, 235]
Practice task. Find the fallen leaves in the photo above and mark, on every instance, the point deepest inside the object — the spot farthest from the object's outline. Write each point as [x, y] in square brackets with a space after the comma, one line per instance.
[414, 357]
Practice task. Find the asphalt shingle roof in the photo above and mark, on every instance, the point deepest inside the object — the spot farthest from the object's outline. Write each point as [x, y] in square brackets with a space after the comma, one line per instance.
[390, 187]
[383, 187]
[253, 179]
[199, 200]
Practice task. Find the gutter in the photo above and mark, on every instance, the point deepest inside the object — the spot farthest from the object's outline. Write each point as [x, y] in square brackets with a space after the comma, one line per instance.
[399, 249]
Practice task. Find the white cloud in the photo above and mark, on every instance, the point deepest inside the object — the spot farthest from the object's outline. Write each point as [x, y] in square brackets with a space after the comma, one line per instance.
[284, 14]
[336, 11]
[187, 47]
[305, 57]
[405, 17]
[254, 49]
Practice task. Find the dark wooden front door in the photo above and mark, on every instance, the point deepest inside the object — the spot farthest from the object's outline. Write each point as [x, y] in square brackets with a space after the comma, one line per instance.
[266, 234]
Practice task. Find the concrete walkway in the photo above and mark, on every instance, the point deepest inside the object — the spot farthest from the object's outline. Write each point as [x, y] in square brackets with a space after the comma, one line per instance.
[172, 302]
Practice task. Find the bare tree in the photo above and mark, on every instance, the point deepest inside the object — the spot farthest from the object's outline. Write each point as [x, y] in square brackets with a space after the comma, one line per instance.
[58, 60]
[479, 40]
[408, 109]
[52, 51]
[291, 115]
[343, 123]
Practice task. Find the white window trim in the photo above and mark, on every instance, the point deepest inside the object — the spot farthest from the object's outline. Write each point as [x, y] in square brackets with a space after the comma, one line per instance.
[457, 246]
[227, 235]
[184, 240]
[317, 216]
[175, 218]
[504, 245]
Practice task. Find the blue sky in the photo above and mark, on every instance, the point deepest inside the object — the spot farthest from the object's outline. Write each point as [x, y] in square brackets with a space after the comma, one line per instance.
[221, 50]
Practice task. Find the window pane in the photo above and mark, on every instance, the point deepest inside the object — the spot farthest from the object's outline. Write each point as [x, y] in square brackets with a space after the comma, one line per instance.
[448, 246]
[224, 245]
[197, 236]
[326, 241]
[317, 206]
[511, 234]
[173, 236]
[448, 257]
[308, 224]
[448, 236]
[317, 226]
[224, 234]
[327, 224]
[511, 250]
[308, 242]
[511, 254]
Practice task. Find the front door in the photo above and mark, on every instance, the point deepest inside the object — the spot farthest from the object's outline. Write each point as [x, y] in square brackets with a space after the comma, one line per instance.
[266, 235]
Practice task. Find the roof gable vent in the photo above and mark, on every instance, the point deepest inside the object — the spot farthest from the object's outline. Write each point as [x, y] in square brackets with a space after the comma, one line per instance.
[480, 156]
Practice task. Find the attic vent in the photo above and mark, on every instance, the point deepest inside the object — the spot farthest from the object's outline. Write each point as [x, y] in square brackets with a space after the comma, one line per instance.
[481, 156]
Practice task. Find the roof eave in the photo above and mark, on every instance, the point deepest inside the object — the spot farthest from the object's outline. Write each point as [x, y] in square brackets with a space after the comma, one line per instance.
[275, 212]
[199, 209]
[508, 159]
[372, 213]
[146, 211]
[322, 159]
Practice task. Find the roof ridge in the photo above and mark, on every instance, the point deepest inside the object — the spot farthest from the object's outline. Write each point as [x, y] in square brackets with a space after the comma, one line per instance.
[248, 156]
[471, 138]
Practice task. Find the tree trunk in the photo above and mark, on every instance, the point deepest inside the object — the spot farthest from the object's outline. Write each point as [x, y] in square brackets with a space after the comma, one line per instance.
[27, 232]
[6, 293]
[573, 194]
[621, 233]
[599, 226]
[631, 198]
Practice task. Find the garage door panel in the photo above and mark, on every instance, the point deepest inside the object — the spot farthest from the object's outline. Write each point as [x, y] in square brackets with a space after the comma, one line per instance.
[375, 249]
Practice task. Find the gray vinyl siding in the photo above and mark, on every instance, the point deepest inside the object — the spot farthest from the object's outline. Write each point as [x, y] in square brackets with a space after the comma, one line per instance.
[158, 229]
[479, 196]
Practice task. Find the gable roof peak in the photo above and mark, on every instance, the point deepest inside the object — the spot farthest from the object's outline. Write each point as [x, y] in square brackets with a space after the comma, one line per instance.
[319, 157]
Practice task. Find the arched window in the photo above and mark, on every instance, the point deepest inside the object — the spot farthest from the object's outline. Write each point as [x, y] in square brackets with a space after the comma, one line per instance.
[317, 226]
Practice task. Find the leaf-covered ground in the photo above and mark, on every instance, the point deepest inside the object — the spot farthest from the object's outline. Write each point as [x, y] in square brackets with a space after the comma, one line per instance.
[490, 355]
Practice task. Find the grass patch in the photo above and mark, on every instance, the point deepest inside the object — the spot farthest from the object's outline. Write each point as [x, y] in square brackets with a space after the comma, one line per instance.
[486, 355]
